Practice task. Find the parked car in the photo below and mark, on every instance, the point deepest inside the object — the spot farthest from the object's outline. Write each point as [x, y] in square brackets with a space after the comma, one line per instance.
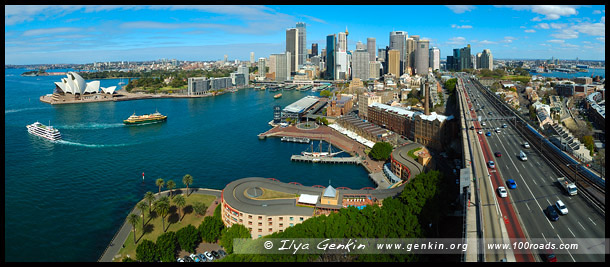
[511, 184]
[215, 254]
[561, 207]
[222, 253]
[195, 258]
[502, 191]
[498, 154]
[179, 260]
[202, 257]
[188, 259]
[551, 213]
[208, 255]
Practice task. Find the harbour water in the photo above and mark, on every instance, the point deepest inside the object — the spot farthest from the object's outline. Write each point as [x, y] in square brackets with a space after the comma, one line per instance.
[588, 73]
[64, 201]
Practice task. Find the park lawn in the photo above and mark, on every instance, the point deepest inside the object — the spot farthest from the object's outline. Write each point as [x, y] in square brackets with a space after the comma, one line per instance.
[412, 151]
[154, 226]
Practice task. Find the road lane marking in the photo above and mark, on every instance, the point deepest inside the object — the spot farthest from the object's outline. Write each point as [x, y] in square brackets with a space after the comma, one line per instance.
[582, 226]
[571, 232]
[591, 221]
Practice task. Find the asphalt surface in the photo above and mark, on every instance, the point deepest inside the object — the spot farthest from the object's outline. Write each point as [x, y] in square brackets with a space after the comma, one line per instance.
[537, 188]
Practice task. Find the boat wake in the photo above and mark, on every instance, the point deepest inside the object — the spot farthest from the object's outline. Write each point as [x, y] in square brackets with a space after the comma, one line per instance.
[90, 126]
[7, 111]
[89, 145]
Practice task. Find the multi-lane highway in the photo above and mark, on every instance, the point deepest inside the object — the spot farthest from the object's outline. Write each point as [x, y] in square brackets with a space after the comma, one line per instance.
[536, 185]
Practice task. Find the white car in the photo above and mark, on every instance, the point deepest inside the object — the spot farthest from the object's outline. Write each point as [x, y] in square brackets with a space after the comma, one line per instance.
[491, 164]
[480, 132]
[526, 145]
[497, 130]
[502, 191]
[561, 207]
[483, 123]
[208, 255]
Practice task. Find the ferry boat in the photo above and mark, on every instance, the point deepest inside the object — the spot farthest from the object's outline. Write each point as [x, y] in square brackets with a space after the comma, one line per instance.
[155, 117]
[44, 131]
[277, 96]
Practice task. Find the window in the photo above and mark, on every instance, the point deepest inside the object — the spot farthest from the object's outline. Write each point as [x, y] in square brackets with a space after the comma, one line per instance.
[249, 223]
[291, 224]
[281, 225]
[270, 223]
[260, 230]
[260, 217]
[249, 216]
[301, 218]
[260, 224]
[270, 229]
[292, 218]
[281, 218]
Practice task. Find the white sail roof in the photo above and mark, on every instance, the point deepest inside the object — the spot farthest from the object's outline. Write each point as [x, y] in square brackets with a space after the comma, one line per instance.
[75, 84]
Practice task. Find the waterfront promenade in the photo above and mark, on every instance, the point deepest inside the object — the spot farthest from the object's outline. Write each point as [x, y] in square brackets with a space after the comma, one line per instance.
[375, 168]
[121, 235]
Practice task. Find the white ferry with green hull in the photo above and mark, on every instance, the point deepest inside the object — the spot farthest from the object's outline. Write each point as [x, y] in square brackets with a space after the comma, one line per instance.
[44, 131]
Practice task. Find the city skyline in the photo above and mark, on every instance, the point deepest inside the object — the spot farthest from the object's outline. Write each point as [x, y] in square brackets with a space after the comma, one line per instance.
[85, 34]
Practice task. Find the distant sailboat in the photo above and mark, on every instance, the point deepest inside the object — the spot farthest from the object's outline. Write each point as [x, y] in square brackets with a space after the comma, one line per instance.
[121, 82]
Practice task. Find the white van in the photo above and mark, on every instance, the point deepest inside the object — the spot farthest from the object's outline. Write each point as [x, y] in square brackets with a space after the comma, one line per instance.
[522, 156]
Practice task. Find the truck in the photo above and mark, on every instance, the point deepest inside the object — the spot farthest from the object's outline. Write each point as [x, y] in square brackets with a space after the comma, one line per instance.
[568, 186]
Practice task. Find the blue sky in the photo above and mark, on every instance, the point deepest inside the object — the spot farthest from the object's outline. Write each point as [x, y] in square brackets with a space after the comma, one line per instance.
[85, 34]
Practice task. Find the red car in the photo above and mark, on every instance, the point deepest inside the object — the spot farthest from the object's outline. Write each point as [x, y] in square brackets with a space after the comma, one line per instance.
[548, 256]
[498, 154]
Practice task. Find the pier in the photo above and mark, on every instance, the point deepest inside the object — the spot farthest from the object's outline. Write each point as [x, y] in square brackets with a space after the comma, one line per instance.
[347, 160]
[303, 140]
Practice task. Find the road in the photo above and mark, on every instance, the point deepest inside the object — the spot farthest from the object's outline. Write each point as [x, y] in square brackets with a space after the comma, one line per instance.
[537, 188]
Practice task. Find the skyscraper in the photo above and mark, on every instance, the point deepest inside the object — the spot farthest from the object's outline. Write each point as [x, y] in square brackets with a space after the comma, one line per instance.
[487, 60]
[342, 42]
[465, 59]
[360, 64]
[282, 66]
[331, 43]
[314, 49]
[360, 46]
[252, 57]
[292, 46]
[302, 42]
[371, 47]
[409, 66]
[394, 62]
[262, 68]
[435, 58]
[398, 41]
[422, 53]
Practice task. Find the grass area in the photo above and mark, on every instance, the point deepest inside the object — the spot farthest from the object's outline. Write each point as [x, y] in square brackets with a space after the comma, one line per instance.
[153, 228]
[412, 151]
[272, 194]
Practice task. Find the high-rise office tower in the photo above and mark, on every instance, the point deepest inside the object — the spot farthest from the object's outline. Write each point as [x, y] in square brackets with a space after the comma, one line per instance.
[456, 59]
[422, 54]
[360, 46]
[465, 59]
[477, 61]
[302, 42]
[360, 64]
[272, 61]
[398, 41]
[226, 58]
[394, 62]
[374, 69]
[410, 51]
[331, 47]
[487, 60]
[314, 49]
[292, 46]
[262, 68]
[371, 47]
[252, 57]
[341, 42]
[282, 66]
[435, 58]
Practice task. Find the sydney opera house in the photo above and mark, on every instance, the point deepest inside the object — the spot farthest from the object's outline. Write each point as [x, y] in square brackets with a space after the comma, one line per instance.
[75, 84]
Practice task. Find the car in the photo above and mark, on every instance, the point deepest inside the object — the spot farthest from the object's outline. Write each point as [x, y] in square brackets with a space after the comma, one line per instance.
[208, 255]
[561, 207]
[480, 132]
[497, 130]
[504, 125]
[548, 255]
[498, 154]
[488, 133]
[502, 191]
[188, 259]
[489, 113]
[526, 145]
[471, 127]
[551, 213]
[511, 183]
[202, 257]
[195, 258]
[179, 260]
[215, 254]
[483, 123]
[491, 164]
[222, 253]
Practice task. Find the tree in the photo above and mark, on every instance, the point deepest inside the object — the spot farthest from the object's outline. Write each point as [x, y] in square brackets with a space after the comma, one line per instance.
[167, 245]
[381, 151]
[150, 197]
[180, 203]
[160, 184]
[187, 180]
[210, 229]
[188, 238]
[133, 219]
[142, 207]
[147, 251]
[162, 207]
[325, 93]
[235, 231]
[170, 185]
[200, 208]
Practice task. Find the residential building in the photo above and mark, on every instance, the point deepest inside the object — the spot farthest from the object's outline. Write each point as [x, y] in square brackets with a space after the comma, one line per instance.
[487, 61]
[374, 70]
[262, 68]
[282, 66]
[198, 86]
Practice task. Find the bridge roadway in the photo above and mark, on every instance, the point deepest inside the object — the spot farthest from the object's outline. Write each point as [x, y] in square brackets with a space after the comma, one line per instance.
[537, 187]
[235, 194]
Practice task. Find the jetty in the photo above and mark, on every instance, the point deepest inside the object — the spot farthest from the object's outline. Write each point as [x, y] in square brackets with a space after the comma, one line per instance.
[347, 160]
[304, 140]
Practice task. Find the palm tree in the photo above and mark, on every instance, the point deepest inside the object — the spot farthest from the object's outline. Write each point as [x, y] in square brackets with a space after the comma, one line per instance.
[170, 185]
[133, 219]
[162, 207]
[160, 184]
[180, 203]
[142, 207]
[150, 197]
[187, 179]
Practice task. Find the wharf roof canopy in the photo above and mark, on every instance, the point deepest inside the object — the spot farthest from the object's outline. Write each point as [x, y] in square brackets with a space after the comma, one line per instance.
[75, 84]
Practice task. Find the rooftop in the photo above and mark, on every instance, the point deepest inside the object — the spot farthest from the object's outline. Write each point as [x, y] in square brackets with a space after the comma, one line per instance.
[301, 104]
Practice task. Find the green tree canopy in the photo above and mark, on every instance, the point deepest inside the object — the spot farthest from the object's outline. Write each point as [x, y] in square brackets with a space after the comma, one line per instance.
[228, 234]
[211, 228]
[147, 251]
[167, 246]
[188, 238]
[381, 151]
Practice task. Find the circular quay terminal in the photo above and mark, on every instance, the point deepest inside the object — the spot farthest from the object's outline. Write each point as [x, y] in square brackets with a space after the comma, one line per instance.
[245, 133]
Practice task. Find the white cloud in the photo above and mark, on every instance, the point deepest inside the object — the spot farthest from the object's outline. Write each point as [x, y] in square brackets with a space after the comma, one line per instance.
[556, 41]
[542, 26]
[37, 32]
[461, 26]
[601, 39]
[530, 31]
[508, 39]
[597, 12]
[461, 8]
[551, 12]
[457, 40]
[566, 34]
[557, 25]
[486, 42]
